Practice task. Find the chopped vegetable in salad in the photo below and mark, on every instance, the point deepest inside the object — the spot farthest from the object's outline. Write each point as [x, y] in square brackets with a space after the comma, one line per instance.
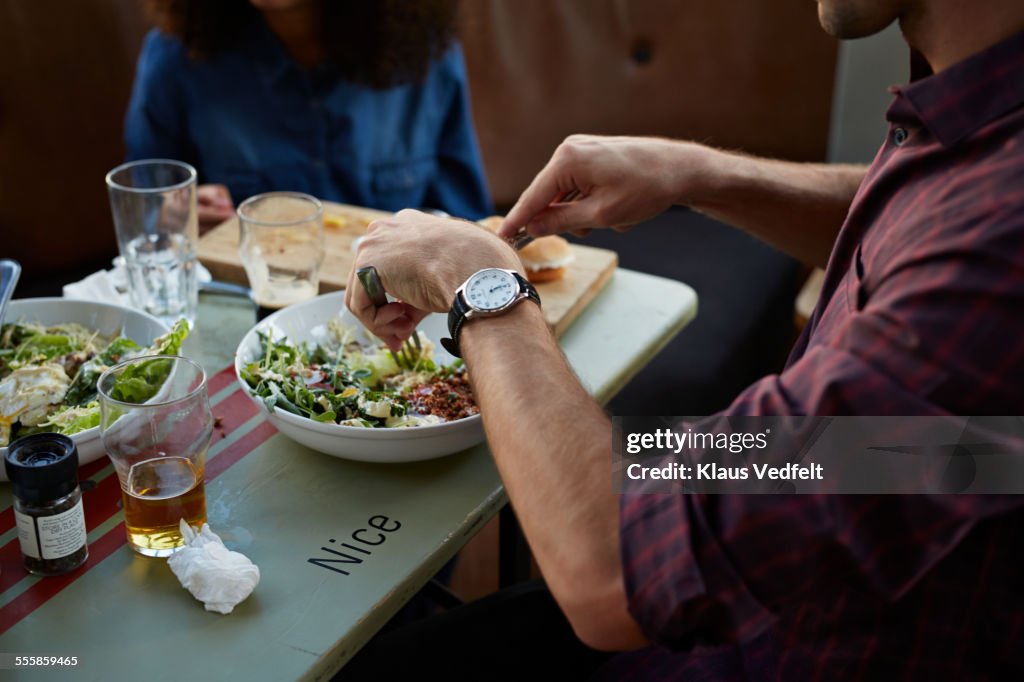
[342, 382]
[48, 375]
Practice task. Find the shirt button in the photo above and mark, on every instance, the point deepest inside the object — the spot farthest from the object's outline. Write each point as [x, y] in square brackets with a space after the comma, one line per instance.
[899, 136]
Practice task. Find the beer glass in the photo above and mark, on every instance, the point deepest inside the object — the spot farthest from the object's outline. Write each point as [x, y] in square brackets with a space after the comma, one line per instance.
[281, 247]
[156, 424]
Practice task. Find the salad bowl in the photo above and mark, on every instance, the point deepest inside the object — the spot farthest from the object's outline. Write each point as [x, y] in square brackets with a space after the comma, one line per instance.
[308, 322]
[107, 319]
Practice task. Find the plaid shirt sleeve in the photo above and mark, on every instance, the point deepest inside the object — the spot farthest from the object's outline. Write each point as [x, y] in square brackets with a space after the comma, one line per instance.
[931, 329]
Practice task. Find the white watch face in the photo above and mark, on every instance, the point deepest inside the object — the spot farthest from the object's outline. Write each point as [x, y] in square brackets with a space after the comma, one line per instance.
[491, 289]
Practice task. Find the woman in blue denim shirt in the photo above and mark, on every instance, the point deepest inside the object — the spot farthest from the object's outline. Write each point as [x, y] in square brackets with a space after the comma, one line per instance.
[352, 101]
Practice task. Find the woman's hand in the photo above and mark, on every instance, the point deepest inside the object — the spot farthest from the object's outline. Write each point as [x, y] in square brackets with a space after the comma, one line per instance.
[421, 260]
[214, 206]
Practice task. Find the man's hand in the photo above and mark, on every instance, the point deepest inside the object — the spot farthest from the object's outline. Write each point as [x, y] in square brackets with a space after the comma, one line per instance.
[214, 206]
[620, 181]
[421, 260]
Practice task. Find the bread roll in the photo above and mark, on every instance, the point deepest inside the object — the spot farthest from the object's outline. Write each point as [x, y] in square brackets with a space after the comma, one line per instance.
[544, 259]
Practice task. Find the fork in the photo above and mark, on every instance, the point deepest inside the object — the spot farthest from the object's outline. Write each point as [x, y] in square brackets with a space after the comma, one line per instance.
[408, 356]
[521, 239]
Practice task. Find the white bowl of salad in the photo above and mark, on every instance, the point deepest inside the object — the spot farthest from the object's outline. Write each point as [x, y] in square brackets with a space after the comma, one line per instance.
[53, 350]
[325, 383]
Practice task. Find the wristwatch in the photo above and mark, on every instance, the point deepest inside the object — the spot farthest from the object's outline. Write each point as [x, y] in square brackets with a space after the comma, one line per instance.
[487, 293]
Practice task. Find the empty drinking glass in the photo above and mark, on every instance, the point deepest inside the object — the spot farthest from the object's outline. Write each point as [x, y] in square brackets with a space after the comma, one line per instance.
[282, 248]
[154, 207]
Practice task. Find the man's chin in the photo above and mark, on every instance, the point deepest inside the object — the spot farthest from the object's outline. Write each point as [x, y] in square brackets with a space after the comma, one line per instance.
[850, 26]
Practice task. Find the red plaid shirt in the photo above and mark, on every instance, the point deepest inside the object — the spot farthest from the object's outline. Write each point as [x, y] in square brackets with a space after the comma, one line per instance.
[922, 312]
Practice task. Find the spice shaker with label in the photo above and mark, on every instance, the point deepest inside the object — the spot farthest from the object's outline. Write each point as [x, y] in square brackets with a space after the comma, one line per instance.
[43, 471]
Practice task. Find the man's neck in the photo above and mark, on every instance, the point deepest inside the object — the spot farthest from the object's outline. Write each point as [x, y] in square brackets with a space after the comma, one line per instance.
[948, 31]
[296, 28]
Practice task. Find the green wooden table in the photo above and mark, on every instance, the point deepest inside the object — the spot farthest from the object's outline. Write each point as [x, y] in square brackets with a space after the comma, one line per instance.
[284, 505]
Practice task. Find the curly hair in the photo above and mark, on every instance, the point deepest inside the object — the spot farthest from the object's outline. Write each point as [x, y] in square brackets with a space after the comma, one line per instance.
[379, 43]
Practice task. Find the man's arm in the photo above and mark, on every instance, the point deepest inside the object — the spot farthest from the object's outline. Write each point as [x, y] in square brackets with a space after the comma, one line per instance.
[552, 446]
[551, 442]
[797, 207]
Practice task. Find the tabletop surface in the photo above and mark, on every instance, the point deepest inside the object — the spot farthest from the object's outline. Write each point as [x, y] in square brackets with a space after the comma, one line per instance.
[297, 514]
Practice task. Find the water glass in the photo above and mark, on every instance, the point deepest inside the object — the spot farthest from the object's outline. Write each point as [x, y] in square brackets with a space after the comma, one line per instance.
[281, 247]
[154, 207]
[156, 424]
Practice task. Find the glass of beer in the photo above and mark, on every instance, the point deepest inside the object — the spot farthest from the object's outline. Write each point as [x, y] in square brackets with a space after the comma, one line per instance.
[281, 247]
[156, 424]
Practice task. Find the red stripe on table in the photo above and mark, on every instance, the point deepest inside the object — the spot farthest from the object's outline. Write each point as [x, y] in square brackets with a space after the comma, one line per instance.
[221, 380]
[231, 413]
[102, 503]
[239, 449]
[216, 384]
[89, 470]
[99, 504]
[47, 588]
[85, 472]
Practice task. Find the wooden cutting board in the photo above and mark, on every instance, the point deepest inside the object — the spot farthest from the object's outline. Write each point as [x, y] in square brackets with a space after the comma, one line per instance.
[563, 300]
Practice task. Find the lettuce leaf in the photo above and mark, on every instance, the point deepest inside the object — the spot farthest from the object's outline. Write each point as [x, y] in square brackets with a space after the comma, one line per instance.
[140, 382]
[71, 420]
[169, 343]
[83, 389]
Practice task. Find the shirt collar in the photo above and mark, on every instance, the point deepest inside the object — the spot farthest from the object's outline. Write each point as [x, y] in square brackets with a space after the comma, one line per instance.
[960, 100]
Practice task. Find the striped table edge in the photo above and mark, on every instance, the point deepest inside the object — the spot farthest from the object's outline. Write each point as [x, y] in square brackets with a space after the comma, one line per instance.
[240, 428]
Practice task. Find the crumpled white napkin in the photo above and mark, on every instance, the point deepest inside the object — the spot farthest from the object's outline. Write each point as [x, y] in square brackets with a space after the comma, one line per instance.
[111, 286]
[215, 575]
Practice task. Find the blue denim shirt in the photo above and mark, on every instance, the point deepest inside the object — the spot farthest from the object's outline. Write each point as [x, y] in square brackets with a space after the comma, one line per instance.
[254, 120]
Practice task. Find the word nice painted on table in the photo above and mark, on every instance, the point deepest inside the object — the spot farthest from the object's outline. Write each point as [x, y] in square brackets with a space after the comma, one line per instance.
[357, 547]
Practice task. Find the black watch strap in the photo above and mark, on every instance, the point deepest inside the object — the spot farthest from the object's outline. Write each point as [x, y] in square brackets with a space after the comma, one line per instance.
[456, 318]
[457, 314]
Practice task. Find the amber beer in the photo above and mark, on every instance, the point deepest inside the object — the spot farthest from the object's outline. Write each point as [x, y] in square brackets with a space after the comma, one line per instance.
[156, 424]
[159, 493]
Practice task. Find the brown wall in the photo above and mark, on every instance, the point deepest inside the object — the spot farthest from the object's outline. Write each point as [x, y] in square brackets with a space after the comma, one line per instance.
[65, 72]
[748, 74]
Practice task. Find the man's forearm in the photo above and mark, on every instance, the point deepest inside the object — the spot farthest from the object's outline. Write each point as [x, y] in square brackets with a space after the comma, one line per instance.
[797, 207]
[552, 446]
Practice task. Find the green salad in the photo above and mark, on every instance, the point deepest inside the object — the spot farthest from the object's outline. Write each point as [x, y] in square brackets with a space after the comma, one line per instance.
[48, 375]
[340, 381]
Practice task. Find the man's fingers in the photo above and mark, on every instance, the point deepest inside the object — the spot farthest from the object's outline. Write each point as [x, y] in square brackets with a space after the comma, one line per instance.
[542, 191]
[358, 302]
[578, 215]
[387, 314]
[392, 323]
[397, 330]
